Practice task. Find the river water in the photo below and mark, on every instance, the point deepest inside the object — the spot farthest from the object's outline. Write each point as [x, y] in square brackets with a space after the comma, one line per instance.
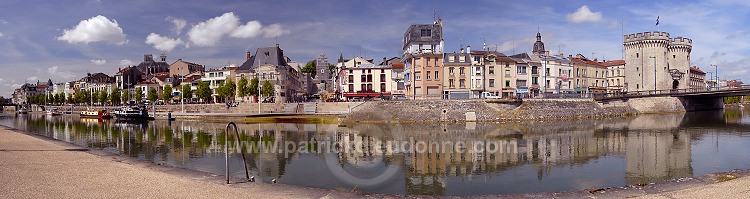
[432, 159]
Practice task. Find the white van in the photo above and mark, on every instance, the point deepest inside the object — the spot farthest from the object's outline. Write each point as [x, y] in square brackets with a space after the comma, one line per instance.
[489, 95]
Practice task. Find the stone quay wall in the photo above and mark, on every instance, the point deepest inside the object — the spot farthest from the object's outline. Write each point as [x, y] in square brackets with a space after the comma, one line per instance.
[480, 110]
[250, 108]
[537, 109]
[656, 105]
[412, 111]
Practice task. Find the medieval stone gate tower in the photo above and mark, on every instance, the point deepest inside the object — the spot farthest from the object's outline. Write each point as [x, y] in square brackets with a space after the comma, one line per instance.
[653, 60]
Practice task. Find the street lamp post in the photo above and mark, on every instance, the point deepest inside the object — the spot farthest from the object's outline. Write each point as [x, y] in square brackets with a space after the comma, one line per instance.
[654, 73]
[259, 96]
[710, 76]
[716, 73]
[544, 92]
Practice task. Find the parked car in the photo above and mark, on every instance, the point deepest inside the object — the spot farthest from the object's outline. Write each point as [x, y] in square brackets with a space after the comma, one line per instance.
[398, 97]
[269, 100]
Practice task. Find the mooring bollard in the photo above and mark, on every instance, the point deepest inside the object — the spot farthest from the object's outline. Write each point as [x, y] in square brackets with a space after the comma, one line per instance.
[226, 151]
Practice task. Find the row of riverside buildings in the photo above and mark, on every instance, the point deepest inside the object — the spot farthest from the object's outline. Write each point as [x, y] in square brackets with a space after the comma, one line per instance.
[268, 64]
[653, 61]
[432, 73]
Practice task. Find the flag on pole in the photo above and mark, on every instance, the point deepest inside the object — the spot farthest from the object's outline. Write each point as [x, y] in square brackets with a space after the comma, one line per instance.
[657, 20]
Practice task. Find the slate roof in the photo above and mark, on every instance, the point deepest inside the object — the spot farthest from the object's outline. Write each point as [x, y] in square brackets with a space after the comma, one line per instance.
[267, 55]
[148, 62]
[521, 56]
[414, 34]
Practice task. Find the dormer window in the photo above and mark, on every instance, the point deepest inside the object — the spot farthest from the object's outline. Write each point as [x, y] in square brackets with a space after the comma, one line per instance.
[267, 54]
[425, 33]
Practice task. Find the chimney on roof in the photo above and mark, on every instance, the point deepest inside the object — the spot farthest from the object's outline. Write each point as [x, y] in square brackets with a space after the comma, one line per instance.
[247, 56]
[384, 61]
[440, 22]
[468, 49]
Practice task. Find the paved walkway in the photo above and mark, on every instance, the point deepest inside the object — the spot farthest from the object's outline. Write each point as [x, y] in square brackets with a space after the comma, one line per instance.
[737, 188]
[32, 167]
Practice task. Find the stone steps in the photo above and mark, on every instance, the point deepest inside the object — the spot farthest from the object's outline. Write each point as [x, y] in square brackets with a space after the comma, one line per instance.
[310, 108]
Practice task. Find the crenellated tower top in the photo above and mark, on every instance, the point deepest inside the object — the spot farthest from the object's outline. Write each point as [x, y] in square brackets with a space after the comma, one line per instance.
[681, 41]
[647, 36]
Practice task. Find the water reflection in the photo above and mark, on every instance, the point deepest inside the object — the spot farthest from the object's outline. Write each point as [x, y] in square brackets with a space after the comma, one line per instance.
[433, 159]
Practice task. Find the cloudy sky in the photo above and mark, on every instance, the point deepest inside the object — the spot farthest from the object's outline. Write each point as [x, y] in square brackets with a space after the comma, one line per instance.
[63, 40]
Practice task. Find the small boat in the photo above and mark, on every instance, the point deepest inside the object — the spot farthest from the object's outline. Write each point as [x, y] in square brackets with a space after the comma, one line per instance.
[95, 114]
[54, 112]
[22, 111]
[91, 120]
[132, 113]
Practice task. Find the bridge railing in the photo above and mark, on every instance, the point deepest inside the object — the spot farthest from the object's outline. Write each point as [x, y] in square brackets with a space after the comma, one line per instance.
[646, 93]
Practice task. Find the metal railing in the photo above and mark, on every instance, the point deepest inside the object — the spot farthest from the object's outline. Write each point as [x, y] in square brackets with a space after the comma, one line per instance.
[239, 145]
[632, 94]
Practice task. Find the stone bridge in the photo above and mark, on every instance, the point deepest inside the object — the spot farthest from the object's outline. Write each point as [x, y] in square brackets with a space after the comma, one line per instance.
[3, 105]
[692, 99]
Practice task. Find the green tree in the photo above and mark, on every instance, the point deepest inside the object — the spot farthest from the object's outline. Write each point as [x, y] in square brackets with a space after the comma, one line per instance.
[242, 89]
[309, 68]
[267, 89]
[230, 88]
[50, 98]
[152, 94]
[126, 96]
[82, 97]
[221, 91]
[103, 97]
[203, 91]
[331, 67]
[93, 97]
[253, 88]
[186, 91]
[167, 93]
[62, 98]
[138, 94]
[115, 97]
[55, 98]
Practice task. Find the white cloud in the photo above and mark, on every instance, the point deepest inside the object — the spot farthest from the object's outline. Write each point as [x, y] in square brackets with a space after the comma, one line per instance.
[178, 24]
[15, 86]
[584, 15]
[251, 29]
[1, 34]
[274, 30]
[55, 72]
[126, 62]
[32, 78]
[96, 29]
[99, 61]
[210, 32]
[162, 43]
